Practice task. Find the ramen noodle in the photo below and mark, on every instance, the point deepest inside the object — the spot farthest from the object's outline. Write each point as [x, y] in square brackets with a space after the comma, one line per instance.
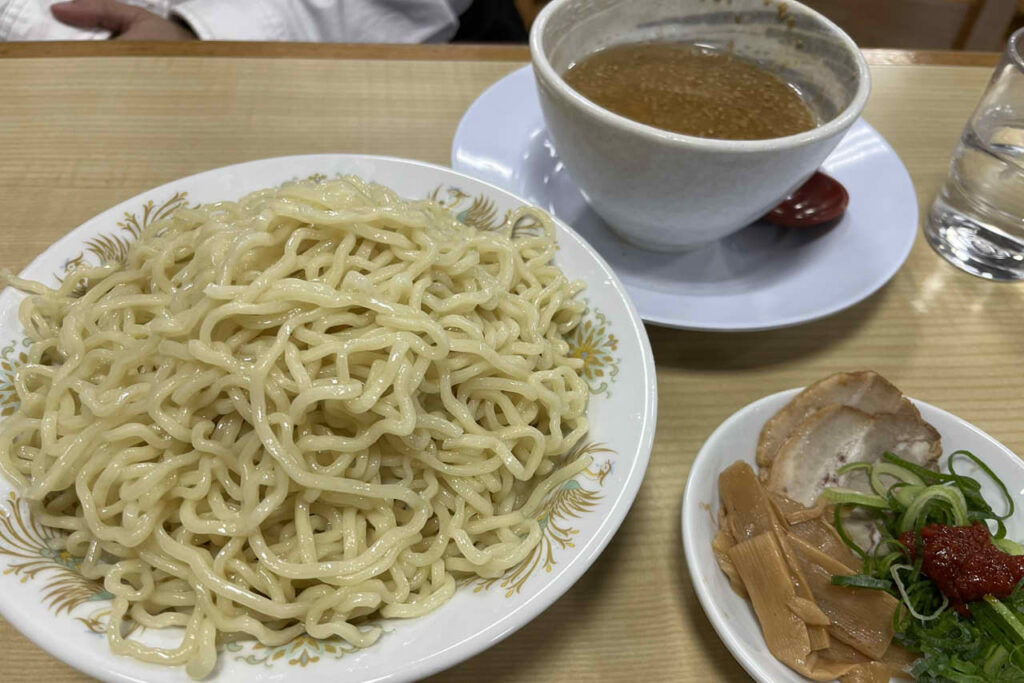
[298, 413]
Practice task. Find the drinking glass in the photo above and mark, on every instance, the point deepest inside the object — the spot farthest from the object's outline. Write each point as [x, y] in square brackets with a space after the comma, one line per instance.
[977, 221]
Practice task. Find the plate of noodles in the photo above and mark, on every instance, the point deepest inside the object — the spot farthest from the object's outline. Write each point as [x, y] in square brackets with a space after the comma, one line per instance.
[327, 417]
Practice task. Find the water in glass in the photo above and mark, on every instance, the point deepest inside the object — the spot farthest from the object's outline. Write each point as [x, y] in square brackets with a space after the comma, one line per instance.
[977, 220]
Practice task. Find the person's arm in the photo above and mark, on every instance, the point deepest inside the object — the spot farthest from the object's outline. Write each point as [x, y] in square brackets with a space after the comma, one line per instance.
[31, 20]
[363, 21]
[335, 21]
[127, 22]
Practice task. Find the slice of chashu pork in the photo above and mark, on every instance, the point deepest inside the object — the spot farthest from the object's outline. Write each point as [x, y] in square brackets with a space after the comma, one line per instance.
[837, 435]
[865, 390]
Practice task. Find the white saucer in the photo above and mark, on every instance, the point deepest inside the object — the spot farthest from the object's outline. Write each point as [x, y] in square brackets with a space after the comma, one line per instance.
[760, 278]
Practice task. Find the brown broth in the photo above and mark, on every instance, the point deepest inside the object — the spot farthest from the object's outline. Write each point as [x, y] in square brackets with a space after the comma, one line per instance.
[685, 89]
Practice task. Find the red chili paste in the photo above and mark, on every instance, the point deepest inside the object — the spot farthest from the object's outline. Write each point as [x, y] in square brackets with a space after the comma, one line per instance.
[964, 564]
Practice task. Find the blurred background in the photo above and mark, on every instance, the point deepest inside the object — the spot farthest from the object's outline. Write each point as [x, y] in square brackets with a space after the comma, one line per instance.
[910, 24]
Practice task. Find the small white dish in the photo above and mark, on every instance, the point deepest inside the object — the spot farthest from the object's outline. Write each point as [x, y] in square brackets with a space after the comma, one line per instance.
[761, 277]
[736, 439]
[44, 597]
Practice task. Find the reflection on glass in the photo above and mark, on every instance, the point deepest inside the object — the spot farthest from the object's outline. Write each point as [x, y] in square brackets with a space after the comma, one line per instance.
[977, 221]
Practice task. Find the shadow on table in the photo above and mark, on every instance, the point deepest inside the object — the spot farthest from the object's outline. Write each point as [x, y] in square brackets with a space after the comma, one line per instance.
[725, 666]
[687, 349]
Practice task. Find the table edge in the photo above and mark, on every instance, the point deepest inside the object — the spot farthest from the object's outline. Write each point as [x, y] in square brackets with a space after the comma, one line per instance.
[453, 52]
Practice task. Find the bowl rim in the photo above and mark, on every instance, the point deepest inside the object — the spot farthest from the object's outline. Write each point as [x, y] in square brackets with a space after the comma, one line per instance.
[834, 126]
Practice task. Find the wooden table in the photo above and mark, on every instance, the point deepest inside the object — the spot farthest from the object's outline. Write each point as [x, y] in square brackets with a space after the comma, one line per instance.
[84, 126]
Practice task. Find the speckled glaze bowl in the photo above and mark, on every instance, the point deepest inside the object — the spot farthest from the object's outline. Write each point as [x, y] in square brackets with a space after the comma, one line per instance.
[667, 191]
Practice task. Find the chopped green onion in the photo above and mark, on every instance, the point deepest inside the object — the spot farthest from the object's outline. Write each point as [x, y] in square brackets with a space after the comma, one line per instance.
[851, 497]
[901, 474]
[861, 581]
[991, 475]
[905, 495]
[927, 476]
[1000, 529]
[1001, 624]
[854, 466]
[995, 661]
[935, 493]
[837, 522]
[1008, 546]
[907, 602]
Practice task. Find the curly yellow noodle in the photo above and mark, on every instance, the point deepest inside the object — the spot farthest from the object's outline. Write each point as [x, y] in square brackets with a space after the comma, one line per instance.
[292, 413]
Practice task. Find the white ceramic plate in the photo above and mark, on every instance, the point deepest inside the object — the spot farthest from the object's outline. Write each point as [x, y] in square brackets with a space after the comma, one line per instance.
[736, 439]
[759, 278]
[45, 598]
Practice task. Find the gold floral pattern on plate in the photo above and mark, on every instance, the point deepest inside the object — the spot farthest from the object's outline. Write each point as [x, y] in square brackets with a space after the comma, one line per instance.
[593, 342]
[11, 357]
[33, 552]
[571, 501]
[300, 651]
[113, 247]
[480, 212]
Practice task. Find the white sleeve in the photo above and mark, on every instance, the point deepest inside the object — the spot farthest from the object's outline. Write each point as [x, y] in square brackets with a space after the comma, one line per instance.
[331, 21]
[32, 20]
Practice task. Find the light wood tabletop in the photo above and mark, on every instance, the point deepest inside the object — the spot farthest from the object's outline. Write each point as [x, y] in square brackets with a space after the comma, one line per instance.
[85, 126]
